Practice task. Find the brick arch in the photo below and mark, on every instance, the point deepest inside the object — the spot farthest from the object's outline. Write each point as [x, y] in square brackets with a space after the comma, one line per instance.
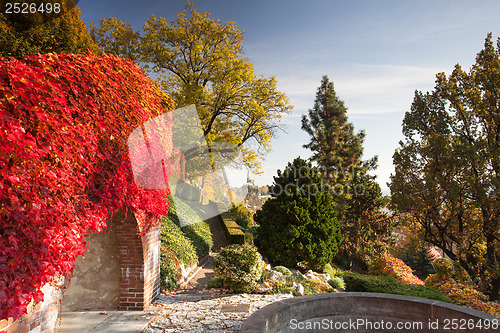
[139, 261]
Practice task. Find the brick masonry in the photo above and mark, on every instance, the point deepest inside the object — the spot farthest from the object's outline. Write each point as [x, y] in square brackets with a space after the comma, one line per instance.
[41, 317]
[139, 277]
[139, 262]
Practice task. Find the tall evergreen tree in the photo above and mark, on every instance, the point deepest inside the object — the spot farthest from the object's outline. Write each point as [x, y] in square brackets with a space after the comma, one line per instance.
[335, 147]
[358, 199]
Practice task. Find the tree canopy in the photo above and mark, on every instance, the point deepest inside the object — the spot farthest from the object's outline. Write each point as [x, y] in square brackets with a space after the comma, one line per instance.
[447, 170]
[43, 32]
[198, 60]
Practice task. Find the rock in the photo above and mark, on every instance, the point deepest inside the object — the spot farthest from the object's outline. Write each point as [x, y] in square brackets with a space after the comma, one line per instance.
[324, 277]
[299, 290]
[262, 289]
[311, 276]
[276, 276]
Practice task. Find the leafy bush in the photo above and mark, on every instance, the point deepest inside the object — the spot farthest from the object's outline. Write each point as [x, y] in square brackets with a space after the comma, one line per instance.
[174, 239]
[443, 267]
[336, 283]
[283, 270]
[461, 294]
[242, 215]
[214, 282]
[197, 230]
[299, 223]
[239, 267]
[387, 265]
[329, 270]
[355, 282]
[170, 270]
[201, 236]
[419, 259]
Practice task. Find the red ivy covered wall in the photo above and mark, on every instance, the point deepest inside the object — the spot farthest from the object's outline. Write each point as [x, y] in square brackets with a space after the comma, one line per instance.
[64, 165]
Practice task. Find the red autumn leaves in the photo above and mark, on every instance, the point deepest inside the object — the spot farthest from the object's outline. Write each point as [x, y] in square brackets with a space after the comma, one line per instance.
[64, 165]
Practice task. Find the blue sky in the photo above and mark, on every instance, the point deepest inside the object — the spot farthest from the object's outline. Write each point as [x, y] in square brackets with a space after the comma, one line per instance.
[377, 53]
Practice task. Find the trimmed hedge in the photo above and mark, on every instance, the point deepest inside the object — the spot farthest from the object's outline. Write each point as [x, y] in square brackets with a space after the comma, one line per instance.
[201, 236]
[177, 242]
[197, 230]
[233, 232]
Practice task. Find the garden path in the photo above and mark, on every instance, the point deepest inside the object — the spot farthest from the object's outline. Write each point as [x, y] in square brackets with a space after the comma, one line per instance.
[204, 272]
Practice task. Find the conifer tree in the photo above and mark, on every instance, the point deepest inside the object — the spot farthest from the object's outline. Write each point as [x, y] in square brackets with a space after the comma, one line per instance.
[365, 227]
[335, 147]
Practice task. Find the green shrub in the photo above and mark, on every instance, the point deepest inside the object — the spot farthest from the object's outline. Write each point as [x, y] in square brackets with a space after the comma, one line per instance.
[336, 283]
[185, 215]
[299, 223]
[242, 215]
[443, 267]
[283, 270]
[234, 234]
[201, 236]
[170, 271]
[197, 230]
[214, 282]
[174, 239]
[355, 282]
[239, 267]
[329, 270]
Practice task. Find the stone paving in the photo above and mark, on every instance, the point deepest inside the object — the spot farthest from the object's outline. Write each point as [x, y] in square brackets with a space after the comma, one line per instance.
[209, 310]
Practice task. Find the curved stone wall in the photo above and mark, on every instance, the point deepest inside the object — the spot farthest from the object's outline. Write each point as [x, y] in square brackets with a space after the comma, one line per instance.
[367, 312]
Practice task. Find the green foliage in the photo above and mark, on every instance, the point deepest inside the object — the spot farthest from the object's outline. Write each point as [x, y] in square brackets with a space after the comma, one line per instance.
[234, 234]
[283, 270]
[334, 145]
[38, 32]
[420, 261]
[244, 218]
[443, 267]
[355, 282]
[170, 271]
[447, 170]
[174, 239]
[197, 230]
[242, 215]
[299, 223]
[336, 283]
[239, 267]
[214, 282]
[365, 227]
[201, 236]
[200, 61]
[329, 270]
